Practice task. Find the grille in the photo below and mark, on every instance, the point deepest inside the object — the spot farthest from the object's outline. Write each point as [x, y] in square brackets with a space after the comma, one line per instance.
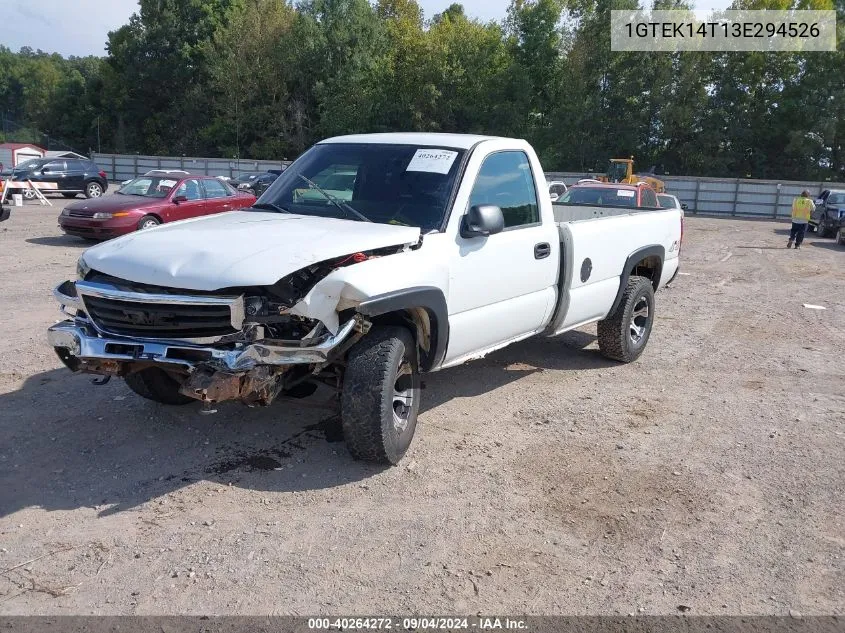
[80, 214]
[160, 320]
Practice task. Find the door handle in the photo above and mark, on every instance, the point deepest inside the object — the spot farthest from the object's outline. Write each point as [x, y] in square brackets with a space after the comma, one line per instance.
[542, 250]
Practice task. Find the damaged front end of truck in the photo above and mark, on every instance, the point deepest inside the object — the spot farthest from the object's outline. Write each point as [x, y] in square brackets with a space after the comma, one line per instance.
[250, 344]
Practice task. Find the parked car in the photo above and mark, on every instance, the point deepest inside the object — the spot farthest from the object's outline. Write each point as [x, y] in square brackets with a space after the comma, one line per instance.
[71, 175]
[244, 179]
[556, 189]
[446, 249]
[829, 213]
[605, 194]
[260, 184]
[840, 236]
[147, 201]
[668, 201]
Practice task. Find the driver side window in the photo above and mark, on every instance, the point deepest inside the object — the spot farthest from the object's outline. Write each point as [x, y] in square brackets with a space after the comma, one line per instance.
[190, 189]
[506, 181]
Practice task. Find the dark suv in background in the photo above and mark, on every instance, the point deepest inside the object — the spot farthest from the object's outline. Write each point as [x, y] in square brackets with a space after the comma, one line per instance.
[72, 176]
[829, 214]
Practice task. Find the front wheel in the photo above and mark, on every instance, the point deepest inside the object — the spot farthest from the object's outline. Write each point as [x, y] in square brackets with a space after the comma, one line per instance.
[381, 396]
[93, 190]
[29, 194]
[825, 230]
[147, 222]
[624, 333]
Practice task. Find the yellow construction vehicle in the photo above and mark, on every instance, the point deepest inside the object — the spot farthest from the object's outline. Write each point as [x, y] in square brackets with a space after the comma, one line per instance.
[622, 170]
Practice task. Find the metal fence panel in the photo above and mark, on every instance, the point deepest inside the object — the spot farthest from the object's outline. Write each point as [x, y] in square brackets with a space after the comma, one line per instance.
[718, 196]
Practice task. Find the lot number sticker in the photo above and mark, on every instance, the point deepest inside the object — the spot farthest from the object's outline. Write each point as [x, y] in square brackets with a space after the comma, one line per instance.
[437, 161]
[624, 193]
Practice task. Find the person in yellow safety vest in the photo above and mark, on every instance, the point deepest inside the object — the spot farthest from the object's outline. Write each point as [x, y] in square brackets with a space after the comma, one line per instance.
[802, 207]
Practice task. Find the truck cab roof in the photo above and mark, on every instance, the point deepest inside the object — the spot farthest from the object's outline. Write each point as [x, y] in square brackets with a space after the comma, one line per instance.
[457, 141]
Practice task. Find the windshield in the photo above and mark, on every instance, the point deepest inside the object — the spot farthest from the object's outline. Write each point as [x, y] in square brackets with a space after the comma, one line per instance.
[388, 184]
[836, 198]
[617, 172]
[149, 186]
[600, 196]
[29, 165]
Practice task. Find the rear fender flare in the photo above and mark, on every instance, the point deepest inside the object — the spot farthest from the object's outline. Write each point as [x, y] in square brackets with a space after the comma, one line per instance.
[655, 250]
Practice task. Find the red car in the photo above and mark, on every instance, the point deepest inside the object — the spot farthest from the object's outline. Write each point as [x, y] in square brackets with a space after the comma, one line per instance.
[594, 193]
[148, 201]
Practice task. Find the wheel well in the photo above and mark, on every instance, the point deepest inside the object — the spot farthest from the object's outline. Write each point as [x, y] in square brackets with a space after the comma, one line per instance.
[154, 215]
[419, 322]
[650, 267]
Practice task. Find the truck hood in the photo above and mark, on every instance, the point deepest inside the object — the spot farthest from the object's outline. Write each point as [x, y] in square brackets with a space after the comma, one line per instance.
[238, 249]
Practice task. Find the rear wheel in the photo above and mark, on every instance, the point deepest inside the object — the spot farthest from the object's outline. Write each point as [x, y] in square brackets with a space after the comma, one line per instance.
[93, 190]
[148, 222]
[624, 333]
[157, 385]
[29, 194]
[381, 396]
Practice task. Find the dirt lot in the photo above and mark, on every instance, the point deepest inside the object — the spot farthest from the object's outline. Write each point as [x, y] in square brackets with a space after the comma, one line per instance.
[543, 479]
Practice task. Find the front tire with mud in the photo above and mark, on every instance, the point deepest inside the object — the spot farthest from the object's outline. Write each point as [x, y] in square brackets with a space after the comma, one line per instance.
[156, 385]
[381, 395]
[624, 333]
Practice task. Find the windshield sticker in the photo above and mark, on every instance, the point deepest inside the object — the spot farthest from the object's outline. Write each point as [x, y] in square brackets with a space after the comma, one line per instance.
[624, 193]
[437, 161]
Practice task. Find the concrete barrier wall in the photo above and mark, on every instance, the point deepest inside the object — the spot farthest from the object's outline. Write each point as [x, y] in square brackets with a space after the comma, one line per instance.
[712, 196]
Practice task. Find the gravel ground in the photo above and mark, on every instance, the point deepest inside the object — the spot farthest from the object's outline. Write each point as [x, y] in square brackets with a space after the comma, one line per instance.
[706, 477]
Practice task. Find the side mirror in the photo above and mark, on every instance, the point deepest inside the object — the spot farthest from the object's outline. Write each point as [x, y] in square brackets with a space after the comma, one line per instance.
[482, 220]
[179, 199]
[553, 196]
[684, 206]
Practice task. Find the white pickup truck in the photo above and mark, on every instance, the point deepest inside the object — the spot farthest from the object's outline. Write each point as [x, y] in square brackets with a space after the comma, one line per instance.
[443, 249]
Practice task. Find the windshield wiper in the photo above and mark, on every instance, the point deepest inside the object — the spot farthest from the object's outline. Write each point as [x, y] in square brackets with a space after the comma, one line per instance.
[340, 204]
[270, 206]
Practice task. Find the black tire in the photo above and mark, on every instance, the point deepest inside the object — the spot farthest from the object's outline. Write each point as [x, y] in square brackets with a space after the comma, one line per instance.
[378, 424]
[155, 384]
[69, 195]
[825, 229]
[93, 189]
[148, 222]
[624, 334]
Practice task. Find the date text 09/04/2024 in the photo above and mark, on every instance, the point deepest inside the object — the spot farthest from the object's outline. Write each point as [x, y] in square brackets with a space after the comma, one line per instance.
[418, 623]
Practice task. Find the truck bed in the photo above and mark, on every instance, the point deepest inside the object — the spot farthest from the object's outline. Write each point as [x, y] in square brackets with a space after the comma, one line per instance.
[577, 212]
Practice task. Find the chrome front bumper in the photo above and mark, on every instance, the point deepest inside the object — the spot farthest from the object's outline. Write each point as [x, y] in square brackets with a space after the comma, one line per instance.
[82, 341]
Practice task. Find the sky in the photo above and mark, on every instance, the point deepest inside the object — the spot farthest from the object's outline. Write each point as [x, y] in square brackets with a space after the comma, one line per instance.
[80, 27]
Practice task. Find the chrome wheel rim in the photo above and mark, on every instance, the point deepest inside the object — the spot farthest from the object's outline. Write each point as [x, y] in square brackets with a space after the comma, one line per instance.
[28, 194]
[148, 224]
[94, 191]
[403, 396]
[639, 320]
